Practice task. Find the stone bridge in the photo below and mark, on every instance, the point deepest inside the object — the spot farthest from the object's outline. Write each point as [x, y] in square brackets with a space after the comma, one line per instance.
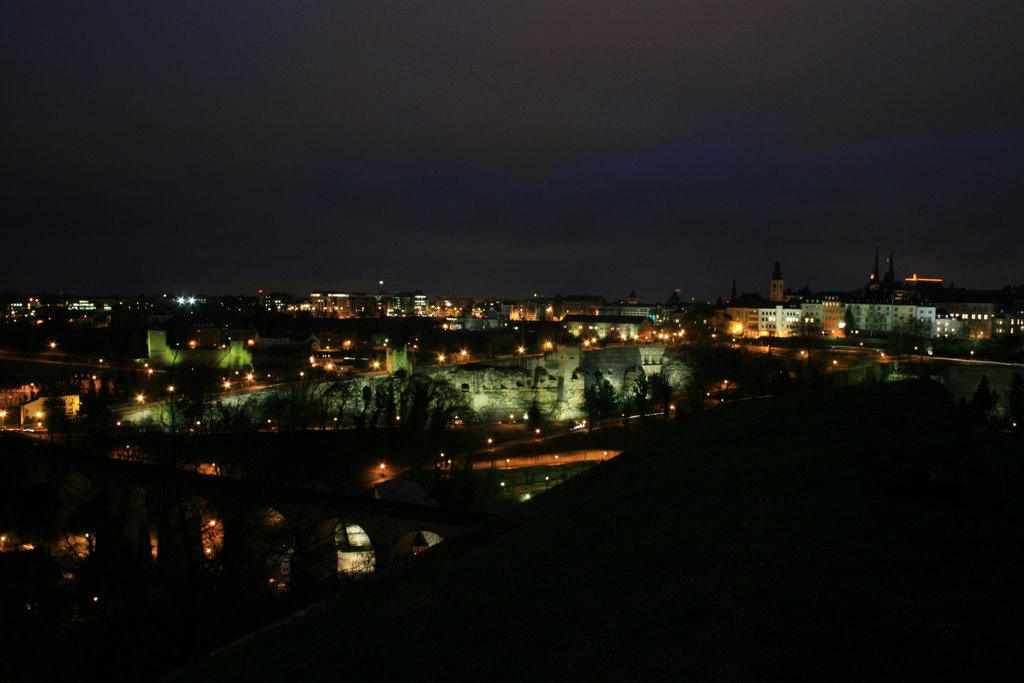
[192, 527]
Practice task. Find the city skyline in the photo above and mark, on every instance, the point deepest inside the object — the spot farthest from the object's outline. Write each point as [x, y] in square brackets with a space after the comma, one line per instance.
[745, 283]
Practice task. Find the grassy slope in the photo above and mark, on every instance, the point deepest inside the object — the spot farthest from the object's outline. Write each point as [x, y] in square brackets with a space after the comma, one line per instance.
[775, 539]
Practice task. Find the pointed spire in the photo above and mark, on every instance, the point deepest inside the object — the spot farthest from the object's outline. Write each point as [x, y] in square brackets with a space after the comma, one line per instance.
[777, 273]
[890, 276]
[732, 297]
[874, 271]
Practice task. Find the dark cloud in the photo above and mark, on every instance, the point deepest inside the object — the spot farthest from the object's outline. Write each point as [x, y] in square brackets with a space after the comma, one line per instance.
[529, 146]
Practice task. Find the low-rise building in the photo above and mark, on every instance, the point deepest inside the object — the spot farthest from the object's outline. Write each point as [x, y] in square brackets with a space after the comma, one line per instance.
[601, 326]
[34, 412]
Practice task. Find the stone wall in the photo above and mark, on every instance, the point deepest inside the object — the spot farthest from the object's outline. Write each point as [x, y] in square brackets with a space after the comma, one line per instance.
[502, 387]
[236, 355]
[556, 380]
[615, 361]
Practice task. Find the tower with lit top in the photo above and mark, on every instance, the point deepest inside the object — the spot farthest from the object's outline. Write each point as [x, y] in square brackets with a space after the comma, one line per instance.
[778, 285]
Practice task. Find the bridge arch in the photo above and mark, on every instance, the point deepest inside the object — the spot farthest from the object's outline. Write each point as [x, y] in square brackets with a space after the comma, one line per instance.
[414, 543]
[76, 521]
[354, 549]
[264, 547]
[191, 541]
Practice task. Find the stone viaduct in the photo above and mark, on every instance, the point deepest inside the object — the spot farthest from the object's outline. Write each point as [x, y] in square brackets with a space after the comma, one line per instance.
[194, 527]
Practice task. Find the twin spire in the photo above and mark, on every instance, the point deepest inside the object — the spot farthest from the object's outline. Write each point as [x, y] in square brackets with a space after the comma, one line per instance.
[890, 275]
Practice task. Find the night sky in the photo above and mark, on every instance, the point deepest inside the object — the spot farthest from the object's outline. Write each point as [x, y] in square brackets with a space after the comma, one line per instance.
[508, 148]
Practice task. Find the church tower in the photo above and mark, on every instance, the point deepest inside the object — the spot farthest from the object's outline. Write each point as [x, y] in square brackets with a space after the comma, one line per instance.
[778, 286]
[889, 283]
[874, 285]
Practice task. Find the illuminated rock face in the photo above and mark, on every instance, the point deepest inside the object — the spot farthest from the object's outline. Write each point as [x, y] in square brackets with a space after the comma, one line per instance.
[506, 387]
[556, 380]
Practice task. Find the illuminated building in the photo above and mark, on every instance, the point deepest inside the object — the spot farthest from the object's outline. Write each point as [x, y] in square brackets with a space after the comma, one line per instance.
[602, 326]
[343, 304]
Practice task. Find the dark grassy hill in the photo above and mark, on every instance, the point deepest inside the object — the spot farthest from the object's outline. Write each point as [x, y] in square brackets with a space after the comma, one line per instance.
[862, 534]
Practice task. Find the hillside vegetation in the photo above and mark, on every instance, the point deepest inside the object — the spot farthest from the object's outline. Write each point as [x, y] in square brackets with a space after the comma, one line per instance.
[859, 534]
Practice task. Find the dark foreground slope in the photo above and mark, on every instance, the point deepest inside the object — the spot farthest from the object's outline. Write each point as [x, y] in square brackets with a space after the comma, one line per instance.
[797, 538]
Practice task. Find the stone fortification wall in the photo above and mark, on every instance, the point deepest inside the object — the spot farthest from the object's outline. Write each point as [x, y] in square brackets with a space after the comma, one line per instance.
[236, 355]
[502, 387]
[615, 361]
[555, 380]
